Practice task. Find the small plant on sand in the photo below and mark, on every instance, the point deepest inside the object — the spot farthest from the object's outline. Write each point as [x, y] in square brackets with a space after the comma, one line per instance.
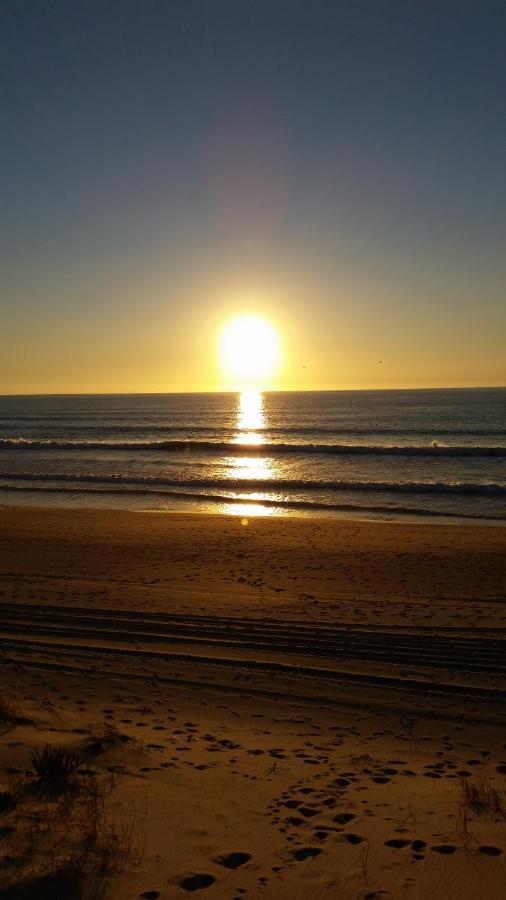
[481, 798]
[108, 837]
[365, 861]
[55, 763]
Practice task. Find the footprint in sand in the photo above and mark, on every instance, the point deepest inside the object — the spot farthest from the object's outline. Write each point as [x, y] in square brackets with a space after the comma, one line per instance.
[354, 838]
[341, 782]
[197, 882]
[233, 860]
[307, 811]
[306, 853]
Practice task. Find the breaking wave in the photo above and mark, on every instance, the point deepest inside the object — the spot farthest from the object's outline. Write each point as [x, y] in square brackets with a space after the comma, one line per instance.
[491, 489]
[232, 448]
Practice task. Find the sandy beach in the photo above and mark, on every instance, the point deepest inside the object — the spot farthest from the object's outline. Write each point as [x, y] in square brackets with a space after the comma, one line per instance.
[288, 708]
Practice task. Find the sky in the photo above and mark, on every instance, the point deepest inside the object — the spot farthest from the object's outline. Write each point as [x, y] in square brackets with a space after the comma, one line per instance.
[335, 167]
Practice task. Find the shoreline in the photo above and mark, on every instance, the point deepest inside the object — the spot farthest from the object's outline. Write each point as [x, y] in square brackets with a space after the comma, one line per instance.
[254, 508]
[427, 519]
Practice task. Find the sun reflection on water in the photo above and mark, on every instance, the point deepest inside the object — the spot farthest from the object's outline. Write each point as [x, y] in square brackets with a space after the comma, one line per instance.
[250, 467]
[250, 427]
[246, 509]
[251, 422]
[250, 418]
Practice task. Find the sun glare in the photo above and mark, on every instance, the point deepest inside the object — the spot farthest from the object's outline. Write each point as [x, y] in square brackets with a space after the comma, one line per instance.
[249, 349]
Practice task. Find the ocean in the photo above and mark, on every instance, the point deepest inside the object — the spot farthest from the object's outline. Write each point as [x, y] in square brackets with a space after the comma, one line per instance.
[411, 454]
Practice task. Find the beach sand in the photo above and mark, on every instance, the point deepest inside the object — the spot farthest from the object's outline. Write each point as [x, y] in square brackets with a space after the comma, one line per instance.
[282, 708]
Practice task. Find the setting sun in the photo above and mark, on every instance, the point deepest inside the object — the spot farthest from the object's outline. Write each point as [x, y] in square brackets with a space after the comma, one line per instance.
[249, 348]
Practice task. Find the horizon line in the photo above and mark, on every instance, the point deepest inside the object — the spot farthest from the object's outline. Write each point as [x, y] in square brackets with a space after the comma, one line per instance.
[470, 387]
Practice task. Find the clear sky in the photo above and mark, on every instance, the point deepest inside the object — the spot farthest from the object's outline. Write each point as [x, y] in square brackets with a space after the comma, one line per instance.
[337, 167]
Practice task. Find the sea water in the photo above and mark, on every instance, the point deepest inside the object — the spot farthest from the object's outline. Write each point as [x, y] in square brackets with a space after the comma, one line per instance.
[373, 454]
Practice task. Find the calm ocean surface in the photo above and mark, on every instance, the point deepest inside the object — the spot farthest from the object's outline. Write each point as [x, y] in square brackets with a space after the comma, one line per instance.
[381, 454]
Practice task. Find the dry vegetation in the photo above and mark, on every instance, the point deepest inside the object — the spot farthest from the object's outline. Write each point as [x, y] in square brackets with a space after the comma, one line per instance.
[63, 828]
[55, 763]
[481, 798]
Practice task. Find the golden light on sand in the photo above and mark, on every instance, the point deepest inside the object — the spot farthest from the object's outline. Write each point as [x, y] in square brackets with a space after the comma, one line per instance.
[249, 349]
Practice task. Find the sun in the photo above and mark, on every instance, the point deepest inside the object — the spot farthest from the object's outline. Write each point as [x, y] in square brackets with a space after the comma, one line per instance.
[249, 348]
